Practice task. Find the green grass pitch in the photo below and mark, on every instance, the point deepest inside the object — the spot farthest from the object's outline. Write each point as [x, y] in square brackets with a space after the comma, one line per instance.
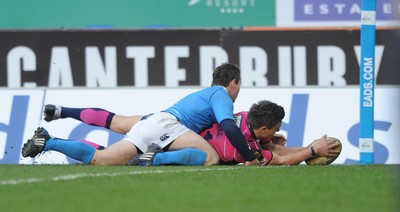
[218, 188]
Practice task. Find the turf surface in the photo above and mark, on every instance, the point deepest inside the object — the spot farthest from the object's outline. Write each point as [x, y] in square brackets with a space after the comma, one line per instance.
[218, 188]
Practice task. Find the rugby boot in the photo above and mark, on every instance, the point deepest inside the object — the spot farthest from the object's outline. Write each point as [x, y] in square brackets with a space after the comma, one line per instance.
[35, 145]
[51, 112]
[147, 158]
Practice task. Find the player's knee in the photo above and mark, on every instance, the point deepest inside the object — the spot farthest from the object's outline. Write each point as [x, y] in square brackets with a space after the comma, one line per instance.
[106, 158]
[98, 160]
[212, 159]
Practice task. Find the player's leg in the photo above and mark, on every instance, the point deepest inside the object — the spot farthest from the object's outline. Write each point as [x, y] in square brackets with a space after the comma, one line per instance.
[185, 157]
[119, 153]
[163, 129]
[95, 145]
[41, 141]
[93, 116]
[191, 139]
[122, 124]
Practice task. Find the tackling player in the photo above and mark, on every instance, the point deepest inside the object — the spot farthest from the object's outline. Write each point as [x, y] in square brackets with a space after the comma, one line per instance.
[175, 128]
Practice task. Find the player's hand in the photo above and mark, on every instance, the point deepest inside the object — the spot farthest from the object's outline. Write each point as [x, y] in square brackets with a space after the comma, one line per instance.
[279, 139]
[326, 148]
[254, 162]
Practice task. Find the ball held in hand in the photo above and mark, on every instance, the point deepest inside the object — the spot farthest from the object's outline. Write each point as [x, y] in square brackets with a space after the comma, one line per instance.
[322, 160]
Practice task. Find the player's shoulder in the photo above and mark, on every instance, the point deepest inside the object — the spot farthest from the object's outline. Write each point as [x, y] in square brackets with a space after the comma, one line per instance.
[240, 119]
[241, 113]
[213, 88]
[218, 94]
[241, 116]
[211, 91]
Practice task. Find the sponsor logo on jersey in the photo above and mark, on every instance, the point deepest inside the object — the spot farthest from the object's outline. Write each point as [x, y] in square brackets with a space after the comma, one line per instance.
[164, 137]
[238, 120]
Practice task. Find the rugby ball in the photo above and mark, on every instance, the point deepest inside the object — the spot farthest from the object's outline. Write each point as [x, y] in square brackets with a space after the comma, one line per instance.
[321, 160]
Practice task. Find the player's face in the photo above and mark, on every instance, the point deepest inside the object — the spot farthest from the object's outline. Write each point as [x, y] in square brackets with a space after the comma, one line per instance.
[269, 133]
[235, 90]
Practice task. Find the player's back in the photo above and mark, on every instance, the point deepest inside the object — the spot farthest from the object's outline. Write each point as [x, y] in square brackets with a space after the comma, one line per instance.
[201, 109]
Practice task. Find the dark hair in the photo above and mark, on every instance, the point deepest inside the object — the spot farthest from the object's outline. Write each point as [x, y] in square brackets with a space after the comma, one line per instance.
[225, 73]
[265, 113]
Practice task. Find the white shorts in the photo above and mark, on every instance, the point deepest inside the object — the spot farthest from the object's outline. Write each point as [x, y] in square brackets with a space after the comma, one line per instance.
[161, 128]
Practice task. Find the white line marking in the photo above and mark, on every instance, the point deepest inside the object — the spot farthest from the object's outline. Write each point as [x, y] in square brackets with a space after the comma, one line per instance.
[82, 175]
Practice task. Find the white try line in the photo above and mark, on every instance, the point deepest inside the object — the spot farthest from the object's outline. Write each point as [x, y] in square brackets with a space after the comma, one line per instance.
[82, 175]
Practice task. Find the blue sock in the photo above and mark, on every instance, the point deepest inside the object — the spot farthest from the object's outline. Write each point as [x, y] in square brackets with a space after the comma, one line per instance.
[188, 157]
[77, 150]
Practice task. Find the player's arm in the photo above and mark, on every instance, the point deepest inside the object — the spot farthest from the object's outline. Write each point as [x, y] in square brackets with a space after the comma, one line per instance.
[282, 155]
[277, 145]
[321, 146]
[223, 106]
[237, 139]
[296, 157]
[281, 150]
[292, 158]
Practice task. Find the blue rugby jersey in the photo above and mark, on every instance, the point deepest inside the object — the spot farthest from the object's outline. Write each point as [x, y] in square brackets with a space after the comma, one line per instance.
[201, 109]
